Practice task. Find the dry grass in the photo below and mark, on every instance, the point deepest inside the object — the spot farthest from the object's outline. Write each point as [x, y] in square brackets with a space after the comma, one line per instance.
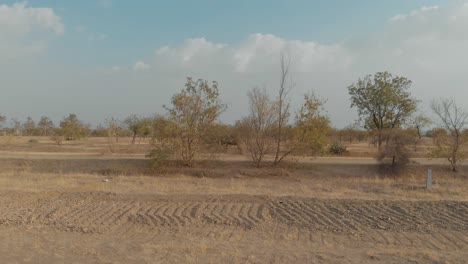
[44, 171]
[412, 187]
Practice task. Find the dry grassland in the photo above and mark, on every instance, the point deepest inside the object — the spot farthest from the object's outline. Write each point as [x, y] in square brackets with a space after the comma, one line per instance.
[99, 202]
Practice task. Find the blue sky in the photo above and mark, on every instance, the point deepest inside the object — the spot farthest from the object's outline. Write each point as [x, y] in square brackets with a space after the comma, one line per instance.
[103, 58]
[134, 28]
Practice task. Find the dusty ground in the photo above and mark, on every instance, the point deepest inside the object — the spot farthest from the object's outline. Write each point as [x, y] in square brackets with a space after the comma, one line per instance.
[89, 207]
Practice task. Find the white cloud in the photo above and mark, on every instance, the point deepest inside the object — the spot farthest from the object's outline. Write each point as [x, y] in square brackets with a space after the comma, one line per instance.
[19, 20]
[22, 29]
[252, 62]
[257, 52]
[415, 13]
[429, 47]
[140, 66]
[190, 51]
[259, 48]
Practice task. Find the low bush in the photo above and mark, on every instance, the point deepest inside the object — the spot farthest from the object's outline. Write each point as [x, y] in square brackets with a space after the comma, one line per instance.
[337, 148]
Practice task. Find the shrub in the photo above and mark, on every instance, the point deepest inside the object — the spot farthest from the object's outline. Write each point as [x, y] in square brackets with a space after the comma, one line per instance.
[159, 156]
[395, 154]
[337, 148]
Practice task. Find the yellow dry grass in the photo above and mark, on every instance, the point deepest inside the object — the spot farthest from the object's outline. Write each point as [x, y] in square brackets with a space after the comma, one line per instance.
[410, 188]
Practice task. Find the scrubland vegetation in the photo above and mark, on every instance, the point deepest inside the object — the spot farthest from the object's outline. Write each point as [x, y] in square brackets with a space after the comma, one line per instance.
[388, 118]
[280, 185]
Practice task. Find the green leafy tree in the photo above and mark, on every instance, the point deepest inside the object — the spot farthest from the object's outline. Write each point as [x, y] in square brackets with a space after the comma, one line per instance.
[193, 110]
[383, 102]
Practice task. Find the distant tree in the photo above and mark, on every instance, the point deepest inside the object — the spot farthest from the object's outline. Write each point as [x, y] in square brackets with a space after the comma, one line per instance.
[139, 126]
[100, 131]
[161, 129]
[193, 110]
[29, 127]
[383, 102]
[16, 126]
[453, 119]
[72, 128]
[418, 123]
[46, 126]
[115, 128]
[436, 133]
[220, 137]
[57, 136]
[2, 121]
[350, 133]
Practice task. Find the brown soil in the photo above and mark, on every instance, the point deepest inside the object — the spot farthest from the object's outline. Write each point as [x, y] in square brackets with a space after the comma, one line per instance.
[229, 229]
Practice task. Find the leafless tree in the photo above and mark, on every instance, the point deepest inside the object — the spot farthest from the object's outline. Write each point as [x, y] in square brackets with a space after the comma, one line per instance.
[283, 107]
[453, 119]
[256, 131]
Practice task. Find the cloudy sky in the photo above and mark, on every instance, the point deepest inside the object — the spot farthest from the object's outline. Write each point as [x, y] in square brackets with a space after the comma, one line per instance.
[103, 58]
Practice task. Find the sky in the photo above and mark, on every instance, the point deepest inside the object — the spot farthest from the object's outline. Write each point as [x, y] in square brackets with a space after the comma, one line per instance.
[113, 58]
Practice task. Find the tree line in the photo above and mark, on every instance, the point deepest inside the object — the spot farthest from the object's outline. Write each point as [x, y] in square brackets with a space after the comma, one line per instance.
[388, 117]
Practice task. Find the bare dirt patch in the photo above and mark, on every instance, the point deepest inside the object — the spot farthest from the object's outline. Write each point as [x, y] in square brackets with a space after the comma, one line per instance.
[308, 228]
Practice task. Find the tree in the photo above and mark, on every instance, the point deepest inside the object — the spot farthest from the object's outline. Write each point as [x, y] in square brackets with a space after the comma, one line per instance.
[282, 109]
[139, 126]
[193, 110]
[29, 126]
[255, 132]
[418, 123]
[383, 102]
[46, 126]
[2, 121]
[396, 148]
[436, 133]
[453, 119]
[114, 128]
[220, 137]
[72, 128]
[163, 141]
[16, 126]
[311, 127]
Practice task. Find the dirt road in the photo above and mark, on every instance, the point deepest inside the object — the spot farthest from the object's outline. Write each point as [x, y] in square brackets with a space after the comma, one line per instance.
[52, 227]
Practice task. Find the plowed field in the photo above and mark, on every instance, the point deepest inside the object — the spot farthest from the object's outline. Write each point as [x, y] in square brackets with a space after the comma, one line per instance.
[96, 227]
